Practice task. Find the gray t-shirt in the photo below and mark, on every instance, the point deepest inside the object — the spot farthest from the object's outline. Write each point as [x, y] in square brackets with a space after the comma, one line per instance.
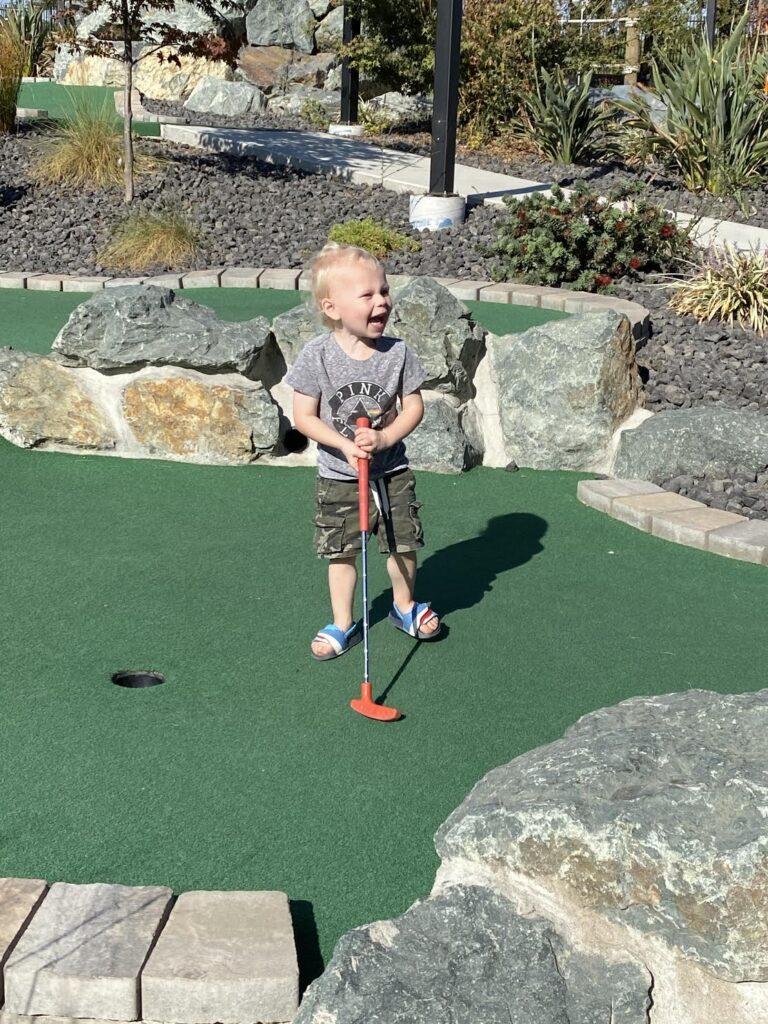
[349, 388]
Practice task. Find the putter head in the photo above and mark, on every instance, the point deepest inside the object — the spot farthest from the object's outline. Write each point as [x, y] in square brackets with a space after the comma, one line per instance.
[366, 706]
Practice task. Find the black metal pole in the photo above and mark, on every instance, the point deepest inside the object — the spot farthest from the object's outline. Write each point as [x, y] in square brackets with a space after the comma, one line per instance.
[711, 21]
[446, 99]
[350, 78]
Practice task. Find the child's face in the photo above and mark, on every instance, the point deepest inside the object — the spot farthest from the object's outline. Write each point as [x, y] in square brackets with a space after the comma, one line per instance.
[358, 299]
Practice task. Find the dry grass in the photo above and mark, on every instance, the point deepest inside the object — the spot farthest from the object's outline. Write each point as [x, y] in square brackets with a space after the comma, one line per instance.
[11, 70]
[145, 240]
[731, 286]
[85, 149]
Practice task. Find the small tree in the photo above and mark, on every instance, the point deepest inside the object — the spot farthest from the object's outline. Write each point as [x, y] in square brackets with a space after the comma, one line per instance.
[126, 16]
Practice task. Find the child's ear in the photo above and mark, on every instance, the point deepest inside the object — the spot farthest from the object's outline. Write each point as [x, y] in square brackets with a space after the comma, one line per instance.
[328, 309]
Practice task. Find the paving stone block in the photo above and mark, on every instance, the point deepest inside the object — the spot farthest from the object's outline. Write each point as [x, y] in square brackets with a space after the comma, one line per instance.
[599, 494]
[83, 284]
[19, 898]
[121, 282]
[747, 540]
[203, 278]
[691, 526]
[304, 283]
[467, 291]
[6, 1017]
[15, 278]
[225, 957]
[638, 509]
[501, 292]
[165, 281]
[553, 298]
[44, 283]
[526, 295]
[241, 277]
[83, 950]
[279, 278]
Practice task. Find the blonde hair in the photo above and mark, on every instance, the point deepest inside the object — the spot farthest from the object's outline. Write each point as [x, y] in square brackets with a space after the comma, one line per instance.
[331, 256]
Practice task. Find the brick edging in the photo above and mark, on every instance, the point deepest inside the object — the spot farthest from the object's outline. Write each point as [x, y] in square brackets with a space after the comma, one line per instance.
[558, 299]
[650, 508]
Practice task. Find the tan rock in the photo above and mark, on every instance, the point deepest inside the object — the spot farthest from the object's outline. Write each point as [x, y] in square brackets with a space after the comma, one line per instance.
[265, 66]
[164, 79]
[42, 402]
[95, 71]
[187, 418]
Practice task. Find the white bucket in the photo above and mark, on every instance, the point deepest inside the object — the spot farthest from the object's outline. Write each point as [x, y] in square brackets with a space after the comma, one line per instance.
[432, 213]
[347, 131]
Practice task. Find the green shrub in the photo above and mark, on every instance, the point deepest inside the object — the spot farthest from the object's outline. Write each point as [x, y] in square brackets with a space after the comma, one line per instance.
[376, 238]
[315, 114]
[560, 122]
[585, 242]
[397, 46]
[144, 240]
[715, 134]
[375, 120]
[730, 286]
[11, 69]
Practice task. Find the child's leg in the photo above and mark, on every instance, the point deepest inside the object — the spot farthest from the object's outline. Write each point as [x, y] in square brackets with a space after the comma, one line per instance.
[342, 580]
[402, 573]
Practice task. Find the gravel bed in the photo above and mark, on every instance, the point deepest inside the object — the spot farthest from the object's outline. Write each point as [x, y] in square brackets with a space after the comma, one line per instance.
[254, 214]
[742, 493]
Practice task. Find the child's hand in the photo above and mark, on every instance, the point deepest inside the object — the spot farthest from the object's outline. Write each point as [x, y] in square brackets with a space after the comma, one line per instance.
[370, 440]
[352, 453]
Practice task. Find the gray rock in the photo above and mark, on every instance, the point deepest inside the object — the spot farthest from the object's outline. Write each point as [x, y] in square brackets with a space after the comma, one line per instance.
[440, 330]
[465, 955]
[132, 326]
[289, 23]
[93, 22]
[83, 951]
[312, 71]
[328, 35]
[230, 99]
[295, 99]
[649, 815]
[439, 444]
[401, 107]
[293, 329]
[564, 388]
[187, 17]
[694, 442]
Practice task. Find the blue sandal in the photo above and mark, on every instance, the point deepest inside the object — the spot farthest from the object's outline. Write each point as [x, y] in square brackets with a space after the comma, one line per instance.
[339, 641]
[412, 622]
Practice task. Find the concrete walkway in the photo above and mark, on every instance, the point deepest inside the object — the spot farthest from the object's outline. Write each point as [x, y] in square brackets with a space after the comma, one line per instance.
[364, 163]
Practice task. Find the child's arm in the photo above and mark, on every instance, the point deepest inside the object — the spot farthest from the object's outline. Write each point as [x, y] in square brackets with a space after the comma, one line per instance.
[409, 417]
[305, 416]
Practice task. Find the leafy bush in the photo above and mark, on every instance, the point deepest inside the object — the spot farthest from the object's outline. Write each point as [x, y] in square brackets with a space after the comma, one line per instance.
[144, 240]
[561, 123]
[585, 242]
[375, 120]
[11, 69]
[84, 149]
[376, 238]
[715, 134]
[315, 114]
[397, 45]
[501, 45]
[730, 286]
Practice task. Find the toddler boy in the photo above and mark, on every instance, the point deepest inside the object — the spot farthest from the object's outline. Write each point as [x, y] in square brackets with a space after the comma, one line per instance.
[354, 370]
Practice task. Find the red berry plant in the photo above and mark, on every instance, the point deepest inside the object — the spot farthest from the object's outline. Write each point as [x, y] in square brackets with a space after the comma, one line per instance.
[584, 242]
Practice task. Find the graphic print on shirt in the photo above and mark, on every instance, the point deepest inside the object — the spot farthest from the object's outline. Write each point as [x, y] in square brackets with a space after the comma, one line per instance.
[359, 398]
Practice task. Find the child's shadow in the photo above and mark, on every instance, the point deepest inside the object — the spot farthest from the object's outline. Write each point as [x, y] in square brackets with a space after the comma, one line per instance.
[458, 576]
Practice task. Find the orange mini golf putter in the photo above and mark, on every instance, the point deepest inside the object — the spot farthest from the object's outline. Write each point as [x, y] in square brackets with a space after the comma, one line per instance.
[365, 704]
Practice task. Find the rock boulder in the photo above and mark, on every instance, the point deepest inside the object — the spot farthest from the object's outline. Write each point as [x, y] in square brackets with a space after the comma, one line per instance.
[289, 23]
[694, 442]
[439, 444]
[231, 99]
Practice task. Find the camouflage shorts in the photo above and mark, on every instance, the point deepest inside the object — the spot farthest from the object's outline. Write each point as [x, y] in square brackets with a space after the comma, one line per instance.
[337, 522]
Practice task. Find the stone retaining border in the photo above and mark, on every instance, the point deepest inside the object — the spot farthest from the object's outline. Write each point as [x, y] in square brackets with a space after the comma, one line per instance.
[650, 508]
[558, 299]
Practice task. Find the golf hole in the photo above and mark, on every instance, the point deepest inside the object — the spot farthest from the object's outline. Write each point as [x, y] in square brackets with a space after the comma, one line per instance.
[294, 441]
[136, 680]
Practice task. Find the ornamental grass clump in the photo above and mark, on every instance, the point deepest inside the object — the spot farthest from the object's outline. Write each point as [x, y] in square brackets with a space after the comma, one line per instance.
[714, 135]
[584, 242]
[731, 286]
[144, 240]
[369, 234]
[11, 71]
[85, 149]
[561, 122]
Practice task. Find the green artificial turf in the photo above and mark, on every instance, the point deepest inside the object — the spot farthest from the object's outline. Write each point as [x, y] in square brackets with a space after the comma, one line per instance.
[63, 100]
[247, 770]
[33, 319]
